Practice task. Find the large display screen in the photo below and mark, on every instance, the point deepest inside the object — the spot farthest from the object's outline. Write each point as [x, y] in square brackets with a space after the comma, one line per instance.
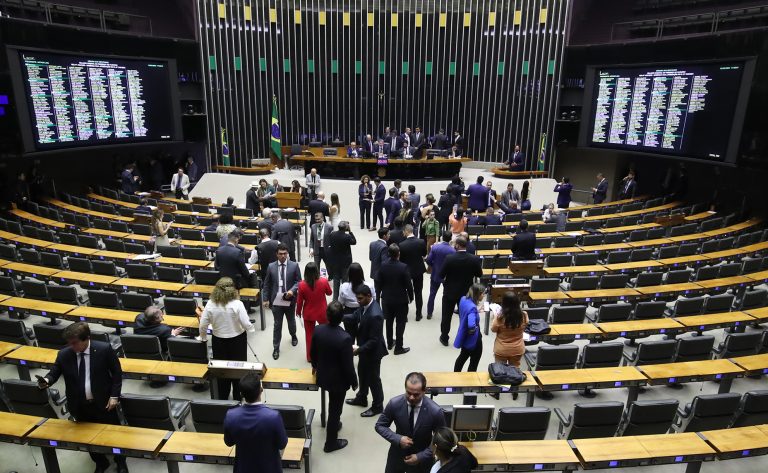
[76, 100]
[682, 110]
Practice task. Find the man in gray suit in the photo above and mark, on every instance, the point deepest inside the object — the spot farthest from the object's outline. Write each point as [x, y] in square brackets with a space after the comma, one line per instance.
[284, 232]
[282, 281]
[377, 254]
[416, 417]
[319, 240]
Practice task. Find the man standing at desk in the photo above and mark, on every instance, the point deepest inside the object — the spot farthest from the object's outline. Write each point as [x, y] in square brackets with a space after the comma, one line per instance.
[180, 185]
[418, 141]
[478, 196]
[93, 380]
[368, 146]
[458, 273]
[313, 183]
[524, 243]
[416, 417]
[599, 193]
[517, 161]
[256, 430]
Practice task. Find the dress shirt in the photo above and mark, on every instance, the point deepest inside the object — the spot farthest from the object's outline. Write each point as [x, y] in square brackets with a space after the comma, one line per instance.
[320, 234]
[87, 353]
[226, 321]
[347, 296]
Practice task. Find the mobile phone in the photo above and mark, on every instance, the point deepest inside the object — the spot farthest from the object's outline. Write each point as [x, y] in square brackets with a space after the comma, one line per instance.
[41, 379]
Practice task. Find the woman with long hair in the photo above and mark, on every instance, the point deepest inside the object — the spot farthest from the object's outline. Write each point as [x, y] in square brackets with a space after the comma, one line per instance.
[468, 337]
[160, 228]
[365, 199]
[296, 188]
[310, 301]
[509, 326]
[228, 319]
[525, 201]
[335, 211]
[449, 455]
[347, 298]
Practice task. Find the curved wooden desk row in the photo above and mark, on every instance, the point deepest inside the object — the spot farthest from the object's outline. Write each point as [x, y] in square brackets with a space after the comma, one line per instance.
[507, 174]
[264, 169]
[135, 442]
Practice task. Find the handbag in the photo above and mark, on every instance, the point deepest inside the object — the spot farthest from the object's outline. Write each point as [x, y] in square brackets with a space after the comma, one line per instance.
[501, 373]
[538, 327]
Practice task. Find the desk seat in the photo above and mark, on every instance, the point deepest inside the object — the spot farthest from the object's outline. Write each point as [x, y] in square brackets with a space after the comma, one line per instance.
[715, 321]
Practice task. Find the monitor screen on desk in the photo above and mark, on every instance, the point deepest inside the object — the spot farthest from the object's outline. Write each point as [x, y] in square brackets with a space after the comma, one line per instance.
[472, 418]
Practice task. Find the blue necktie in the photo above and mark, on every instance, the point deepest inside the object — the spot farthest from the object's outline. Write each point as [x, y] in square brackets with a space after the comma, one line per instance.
[178, 182]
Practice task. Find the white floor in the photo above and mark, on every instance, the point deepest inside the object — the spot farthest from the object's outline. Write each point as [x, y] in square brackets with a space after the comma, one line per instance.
[367, 451]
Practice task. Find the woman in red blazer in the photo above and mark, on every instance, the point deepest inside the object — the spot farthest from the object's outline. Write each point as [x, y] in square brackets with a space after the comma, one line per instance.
[310, 302]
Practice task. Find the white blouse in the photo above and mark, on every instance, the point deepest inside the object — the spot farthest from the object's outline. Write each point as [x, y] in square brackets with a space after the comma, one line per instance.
[226, 322]
[347, 296]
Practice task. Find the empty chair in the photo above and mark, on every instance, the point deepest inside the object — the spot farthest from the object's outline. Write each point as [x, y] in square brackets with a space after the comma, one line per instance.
[613, 222]
[479, 244]
[738, 344]
[729, 270]
[618, 237]
[169, 251]
[134, 301]
[537, 284]
[30, 231]
[727, 243]
[105, 268]
[51, 260]
[550, 357]
[80, 265]
[187, 350]
[648, 417]
[678, 276]
[297, 420]
[45, 234]
[8, 252]
[106, 299]
[569, 314]
[719, 303]
[474, 230]
[9, 286]
[34, 289]
[141, 229]
[652, 353]
[645, 279]
[184, 219]
[26, 398]
[135, 248]
[710, 246]
[14, 227]
[543, 242]
[613, 312]
[750, 265]
[194, 253]
[207, 277]
[753, 299]
[638, 235]
[139, 271]
[243, 212]
[687, 306]
[711, 224]
[154, 412]
[63, 294]
[101, 223]
[68, 239]
[649, 310]
[618, 257]
[556, 261]
[29, 255]
[589, 420]
[694, 348]
[670, 251]
[15, 331]
[208, 414]
[522, 423]
[613, 281]
[144, 347]
[688, 249]
[112, 244]
[585, 259]
[641, 254]
[600, 355]
[537, 313]
[565, 241]
[88, 241]
[213, 236]
[707, 412]
[169, 274]
[584, 283]
[189, 234]
[592, 240]
[49, 336]
[753, 409]
[546, 228]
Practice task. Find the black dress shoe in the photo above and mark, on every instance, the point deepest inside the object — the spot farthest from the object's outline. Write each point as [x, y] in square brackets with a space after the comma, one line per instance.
[294, 340]
[390, 345]
[418, 317]
[357, 402]
[444, 341]
[371, 412]
[340, 443]
[276, 353]
[429, 316]
[402, 351]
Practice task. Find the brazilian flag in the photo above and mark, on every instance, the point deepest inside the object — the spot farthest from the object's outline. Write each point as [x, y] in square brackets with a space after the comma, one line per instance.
[224, 148]
[275, 130]
[542, 151]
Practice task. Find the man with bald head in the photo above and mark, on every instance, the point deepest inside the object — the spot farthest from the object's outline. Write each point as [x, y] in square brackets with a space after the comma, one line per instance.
[318, 204]
[313, 183]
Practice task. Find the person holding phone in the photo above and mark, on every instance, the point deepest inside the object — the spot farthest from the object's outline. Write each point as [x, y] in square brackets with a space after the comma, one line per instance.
[468, 337]
[150, 322]
[93, 380]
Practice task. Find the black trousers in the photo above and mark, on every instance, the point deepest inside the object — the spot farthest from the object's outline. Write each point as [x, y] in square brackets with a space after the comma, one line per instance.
[335, 405]
[96, 412]
[378, 214]
[396, 315]
[369, 375]
[319, 256]
[180, 194]
[449, 302]
[473, 356]
[235, 349]
[278, 313]
[365, 214]
[418, 286]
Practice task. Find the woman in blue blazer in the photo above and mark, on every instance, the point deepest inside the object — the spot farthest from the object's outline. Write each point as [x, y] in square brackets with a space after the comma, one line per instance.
[468, 337]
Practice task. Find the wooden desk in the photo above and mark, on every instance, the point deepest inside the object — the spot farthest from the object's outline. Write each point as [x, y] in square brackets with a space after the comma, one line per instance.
[753, 364]
[288, 378]
[628, 228]
[665, 290]
[73, 250]
[119, 256]
[178, 372]
[567, 271]
[38, 219]
[184, 263]
[37, 307]
[202, 290]
[597, 295]
[128, 441]
[134, 368]
[60, 433]
[761, 314]
[592, 378]
[119, 203]
[723, 283]
[559, 251]
[83, 211]
[691, 371]
[656, 242]
[25, 241]
[110, 234]
[548, 297]
[632, 266]
[606, 247]
[684, 447]
[31, 270]
[611, 452]
[490, 455]
[692, 260]
[759, 277]
[536, 455]
[702, 323]
[568, 332]
[15, 427]
[196, 447]
[7, 347]
[147, 286]
[124, 318]
[639, 328]
[737, 442]
[85, 280]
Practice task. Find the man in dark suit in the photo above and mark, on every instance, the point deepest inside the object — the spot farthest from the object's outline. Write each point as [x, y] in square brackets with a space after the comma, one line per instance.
[524, 243]
[354, 151]
[396, 234]
[379, 194]
[458, 273]
[319, 205]
[368, 145]
[256, 430]
[601, 191]
[459, 143]
[332, 362]
[396, 293]
[319, 240]
[371, 349]
[130, 182]
[478, 195]
[93, 380]
[266, 251]
[393, 206]
[381, 148]
[282, 281]
[284, 232]
[416, 418]
[230, 261]
[251, 199]
[397, 148]
[418, 142]
[440, 141]
[340, 249]
[628, 186]
[412, 253]
[517, 161]
[377, 254]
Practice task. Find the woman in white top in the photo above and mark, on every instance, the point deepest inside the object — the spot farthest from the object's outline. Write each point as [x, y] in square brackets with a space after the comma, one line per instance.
[160, 228]
[347, 296]
[226, 315]
[548, 212]
[335, 211]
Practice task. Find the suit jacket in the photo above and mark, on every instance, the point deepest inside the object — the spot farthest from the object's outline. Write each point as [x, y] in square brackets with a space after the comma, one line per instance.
[478, 197]
[106, 375]
[430, 419]
[271, 285]
[314, 243]
[602, 190]
[459, 271]
[128, 184]
[563, 195]
[331, 355]
[316, 206]
[377, 254]
[370, 333]
[392, 206]
[379, 194]
[252, 200]
[341, 251]
[354, 152]
[368, 146]
[283, 231]
[628, 189]
[460, 143]
[267, 251]
[440, 141]
[259, 434]
[184, 183]
[231, 263]
[417, 139]
[395, 283]
[412, 252]
[517, 161]
[396, 236]
[524, 246]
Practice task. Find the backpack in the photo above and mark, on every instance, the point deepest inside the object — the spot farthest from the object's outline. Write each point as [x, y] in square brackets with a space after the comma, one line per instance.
[538, 327]
[501, 373]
